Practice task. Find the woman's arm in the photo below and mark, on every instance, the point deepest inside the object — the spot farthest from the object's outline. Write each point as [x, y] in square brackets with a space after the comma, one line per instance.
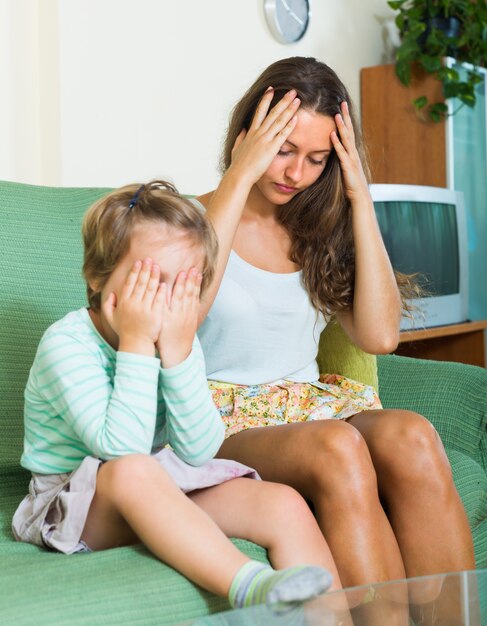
[252, 154]
[373, 322]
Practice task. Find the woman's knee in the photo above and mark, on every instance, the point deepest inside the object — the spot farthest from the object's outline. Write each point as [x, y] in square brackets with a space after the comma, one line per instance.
[407, 447]
[339, 460]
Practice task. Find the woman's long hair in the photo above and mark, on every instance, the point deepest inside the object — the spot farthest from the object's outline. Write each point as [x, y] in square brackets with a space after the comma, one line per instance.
[319, 219]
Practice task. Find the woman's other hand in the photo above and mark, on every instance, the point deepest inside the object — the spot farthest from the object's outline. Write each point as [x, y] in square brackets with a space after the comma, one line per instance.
[255, 149]
[354, 177]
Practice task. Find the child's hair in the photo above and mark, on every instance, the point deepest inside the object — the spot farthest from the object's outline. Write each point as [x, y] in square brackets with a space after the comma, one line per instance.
[318, 219]
[109, 223]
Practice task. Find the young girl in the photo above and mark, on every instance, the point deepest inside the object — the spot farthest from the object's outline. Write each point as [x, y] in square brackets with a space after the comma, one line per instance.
[111, 385]
[300, 243]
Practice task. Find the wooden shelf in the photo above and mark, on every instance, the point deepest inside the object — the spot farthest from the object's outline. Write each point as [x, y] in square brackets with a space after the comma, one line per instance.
[402, 148]
[463, 343]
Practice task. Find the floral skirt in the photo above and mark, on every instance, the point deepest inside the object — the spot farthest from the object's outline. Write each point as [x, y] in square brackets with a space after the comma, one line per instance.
[284, 402]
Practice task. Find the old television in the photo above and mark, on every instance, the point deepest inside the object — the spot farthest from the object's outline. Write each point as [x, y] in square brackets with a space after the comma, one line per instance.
[425, 233]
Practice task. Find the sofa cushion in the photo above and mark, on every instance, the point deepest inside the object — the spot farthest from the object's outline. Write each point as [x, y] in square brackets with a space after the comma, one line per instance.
[338, 355]
[120, 586]
[471, 482]
[41, 253]
[451, 395]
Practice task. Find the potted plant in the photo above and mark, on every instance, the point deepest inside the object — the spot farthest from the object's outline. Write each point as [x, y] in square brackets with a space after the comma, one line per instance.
[432, 30]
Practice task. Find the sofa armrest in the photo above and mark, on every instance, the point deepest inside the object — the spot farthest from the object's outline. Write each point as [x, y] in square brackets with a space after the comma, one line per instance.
[453, 396]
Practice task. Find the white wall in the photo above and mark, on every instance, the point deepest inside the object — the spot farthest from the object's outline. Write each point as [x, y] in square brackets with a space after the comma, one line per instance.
[122, 90]
[19, 91]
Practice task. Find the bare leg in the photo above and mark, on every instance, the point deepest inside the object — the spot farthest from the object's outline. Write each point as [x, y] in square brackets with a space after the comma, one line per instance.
[136, 500]
[271, 515]
[424, 507]
[416, 483]
[329, 464]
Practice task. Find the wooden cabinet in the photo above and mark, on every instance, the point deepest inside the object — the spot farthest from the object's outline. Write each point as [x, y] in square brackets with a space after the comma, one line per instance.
[402, 148]
[463, 343]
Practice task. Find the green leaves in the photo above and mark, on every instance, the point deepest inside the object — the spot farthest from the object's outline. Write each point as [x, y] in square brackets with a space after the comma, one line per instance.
[420, 102]
[425, 42]
[396, 4]
[430, 64]
[438, 111]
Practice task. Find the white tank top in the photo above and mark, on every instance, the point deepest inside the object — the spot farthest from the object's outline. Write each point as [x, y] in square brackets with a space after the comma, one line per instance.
[261, 328]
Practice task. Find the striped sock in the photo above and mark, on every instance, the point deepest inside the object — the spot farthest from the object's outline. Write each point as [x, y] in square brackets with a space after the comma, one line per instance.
[256, 583]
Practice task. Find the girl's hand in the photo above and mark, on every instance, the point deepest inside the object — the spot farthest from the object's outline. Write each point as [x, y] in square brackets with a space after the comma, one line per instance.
[255, 149]
[351, 166]
[135, 315]
[179, 318]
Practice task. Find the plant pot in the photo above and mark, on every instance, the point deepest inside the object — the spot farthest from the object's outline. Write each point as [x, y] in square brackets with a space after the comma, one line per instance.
[449, 26]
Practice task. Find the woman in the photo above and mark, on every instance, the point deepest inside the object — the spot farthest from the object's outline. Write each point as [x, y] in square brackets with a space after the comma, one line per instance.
[299, 243]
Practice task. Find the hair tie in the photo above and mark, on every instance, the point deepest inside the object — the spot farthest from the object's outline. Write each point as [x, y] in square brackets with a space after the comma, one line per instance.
[135, 198]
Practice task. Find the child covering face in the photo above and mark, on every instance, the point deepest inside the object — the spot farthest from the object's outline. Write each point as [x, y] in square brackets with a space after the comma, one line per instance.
[121, 429]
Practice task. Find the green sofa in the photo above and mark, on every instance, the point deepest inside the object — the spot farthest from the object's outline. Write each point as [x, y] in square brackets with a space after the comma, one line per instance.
[40, 248]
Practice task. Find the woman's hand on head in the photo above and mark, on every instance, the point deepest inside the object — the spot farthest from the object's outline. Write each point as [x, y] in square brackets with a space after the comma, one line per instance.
[344, 143]
[180, 318]
[135, 315]
[255, 149]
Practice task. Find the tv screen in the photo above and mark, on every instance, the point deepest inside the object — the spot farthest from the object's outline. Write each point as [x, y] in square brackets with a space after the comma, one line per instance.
[424, 231]
[422, 238]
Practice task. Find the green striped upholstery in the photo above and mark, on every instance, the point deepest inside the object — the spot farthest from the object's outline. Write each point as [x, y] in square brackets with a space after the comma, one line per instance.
[40, 252]
[453, 397]
[41, 257]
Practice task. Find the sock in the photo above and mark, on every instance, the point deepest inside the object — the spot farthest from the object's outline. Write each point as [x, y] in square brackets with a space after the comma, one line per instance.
[256, 583]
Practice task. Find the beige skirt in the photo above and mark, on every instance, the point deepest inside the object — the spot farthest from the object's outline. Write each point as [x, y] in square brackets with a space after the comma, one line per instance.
[54, 512]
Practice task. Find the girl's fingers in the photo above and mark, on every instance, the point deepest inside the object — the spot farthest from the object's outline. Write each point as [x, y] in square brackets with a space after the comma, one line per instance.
[160, 298]
[178, 289]
[199, 280]
[142, 279]
[131, 280]
[109, 307]
[197, 291]
[193, 285]
[153, 283]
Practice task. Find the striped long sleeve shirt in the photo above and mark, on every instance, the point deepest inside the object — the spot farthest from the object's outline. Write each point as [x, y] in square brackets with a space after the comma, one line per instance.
[83, 398]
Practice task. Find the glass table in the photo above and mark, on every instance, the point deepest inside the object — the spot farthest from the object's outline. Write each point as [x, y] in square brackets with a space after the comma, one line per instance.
[457, 599]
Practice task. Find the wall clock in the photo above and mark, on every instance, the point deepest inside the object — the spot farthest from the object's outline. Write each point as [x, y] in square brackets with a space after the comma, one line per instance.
[287, 19]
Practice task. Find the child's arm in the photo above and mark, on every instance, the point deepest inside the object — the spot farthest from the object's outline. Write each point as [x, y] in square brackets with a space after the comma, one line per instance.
[193, 425]
[109, 401]
[111, 408]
